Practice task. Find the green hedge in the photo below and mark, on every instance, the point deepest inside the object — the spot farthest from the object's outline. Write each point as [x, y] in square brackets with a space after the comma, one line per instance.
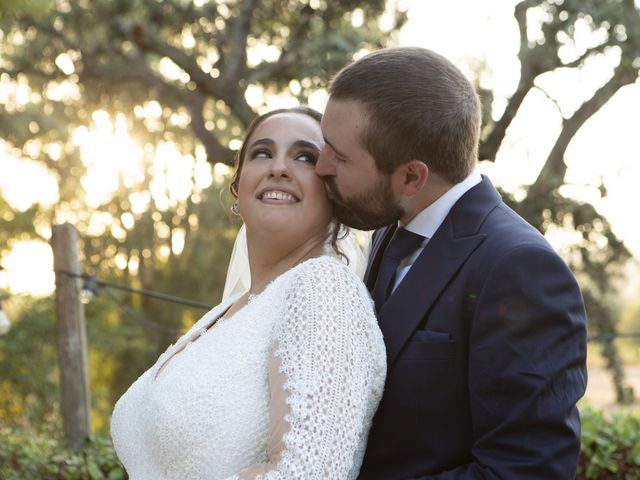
[610, 450]
[610, 446]
[28, 456]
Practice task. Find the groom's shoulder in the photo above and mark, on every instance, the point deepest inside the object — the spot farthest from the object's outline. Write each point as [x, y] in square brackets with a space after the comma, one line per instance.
[504, 223]
[510, 240]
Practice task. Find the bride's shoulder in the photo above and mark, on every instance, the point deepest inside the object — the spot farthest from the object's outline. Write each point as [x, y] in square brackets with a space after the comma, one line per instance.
[327, 269]
[327, 279]
[326, 296]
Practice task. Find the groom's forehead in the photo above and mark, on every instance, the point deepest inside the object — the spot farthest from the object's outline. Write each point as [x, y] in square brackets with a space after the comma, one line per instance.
[343, 121]
[346, 109]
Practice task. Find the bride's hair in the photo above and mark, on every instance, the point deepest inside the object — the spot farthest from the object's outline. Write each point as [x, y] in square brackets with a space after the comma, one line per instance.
[338, 230]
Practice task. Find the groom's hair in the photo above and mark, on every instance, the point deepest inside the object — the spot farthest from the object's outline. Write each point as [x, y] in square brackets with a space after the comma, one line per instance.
[420, 107]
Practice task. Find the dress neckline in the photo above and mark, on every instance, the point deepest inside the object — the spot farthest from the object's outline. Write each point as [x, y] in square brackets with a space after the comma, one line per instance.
[196, 333]
[210, 319]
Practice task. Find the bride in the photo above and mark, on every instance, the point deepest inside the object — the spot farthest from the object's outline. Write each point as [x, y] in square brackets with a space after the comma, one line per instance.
[280, 381]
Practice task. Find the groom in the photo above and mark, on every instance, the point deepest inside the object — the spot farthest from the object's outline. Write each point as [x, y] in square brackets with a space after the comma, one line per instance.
[484, 323]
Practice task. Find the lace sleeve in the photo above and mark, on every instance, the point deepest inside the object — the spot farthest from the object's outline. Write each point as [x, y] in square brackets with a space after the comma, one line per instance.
[332, 359]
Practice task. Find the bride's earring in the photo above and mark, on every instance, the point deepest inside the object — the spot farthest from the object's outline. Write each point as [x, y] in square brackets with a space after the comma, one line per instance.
[235, 208]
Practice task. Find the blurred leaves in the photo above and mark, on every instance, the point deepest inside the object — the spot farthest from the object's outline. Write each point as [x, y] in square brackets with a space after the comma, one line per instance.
[610, 446]
[196, 61]
[25, 454]
[173, 75]
[14, 224]
[37, 8]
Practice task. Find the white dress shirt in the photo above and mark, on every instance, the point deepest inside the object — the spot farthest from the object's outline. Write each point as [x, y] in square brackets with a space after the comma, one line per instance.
[427, 222]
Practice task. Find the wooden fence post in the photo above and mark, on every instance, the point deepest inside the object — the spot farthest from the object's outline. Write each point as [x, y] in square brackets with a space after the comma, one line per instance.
[72, 338]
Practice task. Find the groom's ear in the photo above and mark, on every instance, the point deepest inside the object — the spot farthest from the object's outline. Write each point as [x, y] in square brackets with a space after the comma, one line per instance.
[415, 175]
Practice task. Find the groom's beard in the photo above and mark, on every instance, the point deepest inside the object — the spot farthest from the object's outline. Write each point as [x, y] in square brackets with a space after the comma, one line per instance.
[371, 209]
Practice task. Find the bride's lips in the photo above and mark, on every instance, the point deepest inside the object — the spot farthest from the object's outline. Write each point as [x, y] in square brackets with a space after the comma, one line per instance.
[277, 195]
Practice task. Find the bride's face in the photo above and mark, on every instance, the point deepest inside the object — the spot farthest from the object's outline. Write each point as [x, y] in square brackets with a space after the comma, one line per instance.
[278, 189]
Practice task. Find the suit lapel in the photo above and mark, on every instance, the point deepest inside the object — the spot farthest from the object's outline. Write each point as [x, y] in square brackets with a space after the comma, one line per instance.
[404, 310]
[443, 256]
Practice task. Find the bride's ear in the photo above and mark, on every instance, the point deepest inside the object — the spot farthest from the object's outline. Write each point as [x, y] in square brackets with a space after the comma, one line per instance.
[414, 176]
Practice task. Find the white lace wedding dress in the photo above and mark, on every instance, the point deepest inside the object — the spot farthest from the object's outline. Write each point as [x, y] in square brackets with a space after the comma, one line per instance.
[286, 388]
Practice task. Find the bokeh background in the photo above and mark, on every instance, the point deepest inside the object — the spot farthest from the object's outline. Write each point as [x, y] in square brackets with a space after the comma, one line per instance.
[122, 117]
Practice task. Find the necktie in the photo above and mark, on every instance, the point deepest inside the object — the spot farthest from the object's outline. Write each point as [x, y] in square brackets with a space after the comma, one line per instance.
[402, 244]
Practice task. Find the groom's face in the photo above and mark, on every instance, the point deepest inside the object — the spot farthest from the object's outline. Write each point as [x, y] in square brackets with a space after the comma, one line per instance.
[363, 197]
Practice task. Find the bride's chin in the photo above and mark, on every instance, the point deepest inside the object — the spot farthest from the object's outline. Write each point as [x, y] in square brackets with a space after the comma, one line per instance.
[283, 234]
[271, 229]
[277, 217]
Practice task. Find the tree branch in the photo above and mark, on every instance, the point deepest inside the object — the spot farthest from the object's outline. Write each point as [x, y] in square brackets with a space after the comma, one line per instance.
[236, 60]
[265, 70]
[194, 102]
[554, 170]
[231, 93]
[29, 69]
[534, 61]
[546, 94]
[141, 37]
[589, 52]
[520, 14]
[216, 152]
[490, 146]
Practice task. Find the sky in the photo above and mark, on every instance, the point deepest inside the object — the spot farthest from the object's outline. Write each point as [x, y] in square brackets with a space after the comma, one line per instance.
[465, 31]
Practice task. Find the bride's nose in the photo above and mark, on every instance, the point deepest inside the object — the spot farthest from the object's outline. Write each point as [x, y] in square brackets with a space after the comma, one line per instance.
[279, 166]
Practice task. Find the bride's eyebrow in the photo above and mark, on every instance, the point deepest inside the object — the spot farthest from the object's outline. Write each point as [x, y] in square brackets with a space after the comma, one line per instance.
[306, 144]
[263, 141]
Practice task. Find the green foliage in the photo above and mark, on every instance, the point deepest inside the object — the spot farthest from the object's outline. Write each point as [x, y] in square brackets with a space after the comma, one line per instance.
[28, 358]
[14, 225]
[115, 56]
[610, 447]
[119, 348]
[34, 7]
[27, 455]
[610, 451]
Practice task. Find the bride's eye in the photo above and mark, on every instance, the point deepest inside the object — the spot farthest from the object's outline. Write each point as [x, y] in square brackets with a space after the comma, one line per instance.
[260, 153]
[307, 157]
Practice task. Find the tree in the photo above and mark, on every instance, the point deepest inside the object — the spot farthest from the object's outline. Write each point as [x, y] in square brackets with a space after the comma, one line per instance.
[184, 78]
[547, 46]
[189, 75]
[196, 59]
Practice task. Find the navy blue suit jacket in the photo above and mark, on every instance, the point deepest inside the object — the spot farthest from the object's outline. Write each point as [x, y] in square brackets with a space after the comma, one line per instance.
[486, 350]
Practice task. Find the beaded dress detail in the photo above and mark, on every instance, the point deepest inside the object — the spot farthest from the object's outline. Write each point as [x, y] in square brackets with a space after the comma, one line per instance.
[285, 388]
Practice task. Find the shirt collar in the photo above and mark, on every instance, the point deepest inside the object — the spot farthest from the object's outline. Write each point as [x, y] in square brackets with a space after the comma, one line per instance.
[427, 222]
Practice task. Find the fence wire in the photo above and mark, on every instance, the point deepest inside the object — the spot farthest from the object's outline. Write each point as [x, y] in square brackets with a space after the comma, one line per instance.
[96, 286]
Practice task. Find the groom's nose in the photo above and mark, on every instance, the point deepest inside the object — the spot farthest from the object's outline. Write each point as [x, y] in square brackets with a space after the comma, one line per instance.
[326, 164]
